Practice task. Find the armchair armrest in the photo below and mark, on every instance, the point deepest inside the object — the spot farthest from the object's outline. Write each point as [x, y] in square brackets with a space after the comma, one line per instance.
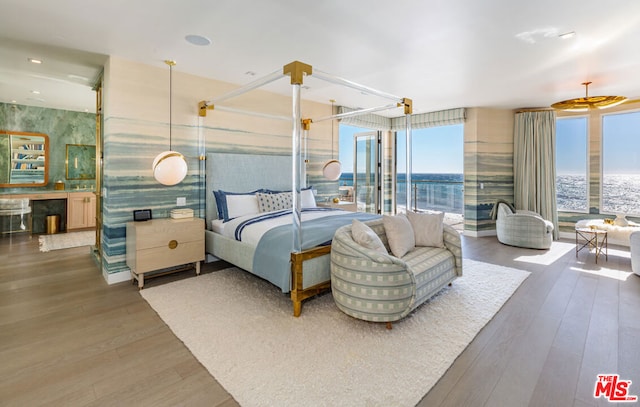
[531, 222]
[453, 243]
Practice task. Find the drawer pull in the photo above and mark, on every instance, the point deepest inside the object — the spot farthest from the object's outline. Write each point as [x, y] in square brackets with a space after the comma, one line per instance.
[173, 244]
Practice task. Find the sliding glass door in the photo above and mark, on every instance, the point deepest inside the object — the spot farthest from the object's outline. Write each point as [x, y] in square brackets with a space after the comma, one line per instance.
[366, 163]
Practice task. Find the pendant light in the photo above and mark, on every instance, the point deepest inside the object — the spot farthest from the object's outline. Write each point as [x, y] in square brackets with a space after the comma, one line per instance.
[588, 102]
[170, 167]
[332, 169]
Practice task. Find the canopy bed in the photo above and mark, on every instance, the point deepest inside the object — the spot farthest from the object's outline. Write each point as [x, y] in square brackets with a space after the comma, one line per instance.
[285, 243]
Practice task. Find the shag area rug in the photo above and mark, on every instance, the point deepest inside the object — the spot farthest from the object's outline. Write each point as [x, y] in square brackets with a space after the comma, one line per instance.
[66, 240]
[242, 330]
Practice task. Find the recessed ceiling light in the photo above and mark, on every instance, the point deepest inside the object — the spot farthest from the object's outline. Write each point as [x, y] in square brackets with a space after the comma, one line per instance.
[34, 61]
[567, 35]
[35, 92]
[250, 73]
[197, 40]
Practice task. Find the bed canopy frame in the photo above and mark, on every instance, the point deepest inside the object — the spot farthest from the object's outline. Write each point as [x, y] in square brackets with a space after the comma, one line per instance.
[297, 71]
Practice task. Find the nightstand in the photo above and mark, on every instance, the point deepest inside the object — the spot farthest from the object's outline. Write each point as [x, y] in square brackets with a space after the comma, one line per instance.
[344, 205]
[159, 244]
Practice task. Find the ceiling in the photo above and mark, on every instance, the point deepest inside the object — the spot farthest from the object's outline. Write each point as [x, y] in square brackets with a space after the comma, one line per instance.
[441, 53]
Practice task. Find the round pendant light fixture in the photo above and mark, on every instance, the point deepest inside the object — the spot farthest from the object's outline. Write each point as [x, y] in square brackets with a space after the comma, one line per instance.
[588, 102]
[170, 167]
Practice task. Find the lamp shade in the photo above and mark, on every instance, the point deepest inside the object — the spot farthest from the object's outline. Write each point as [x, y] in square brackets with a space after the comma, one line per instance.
[169, 168]
[332, 170]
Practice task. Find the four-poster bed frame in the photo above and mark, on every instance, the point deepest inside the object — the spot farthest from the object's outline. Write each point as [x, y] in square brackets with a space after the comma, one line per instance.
[297, 71]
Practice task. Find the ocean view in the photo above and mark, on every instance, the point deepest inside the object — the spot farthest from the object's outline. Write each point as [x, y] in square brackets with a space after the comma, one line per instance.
[444, 192]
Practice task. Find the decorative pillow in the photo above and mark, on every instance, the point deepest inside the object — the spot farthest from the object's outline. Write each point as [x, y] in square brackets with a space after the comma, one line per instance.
[399, 234]
[366, 237]
[308, 200]
[274, 202]
[427, 228]
[240, 205]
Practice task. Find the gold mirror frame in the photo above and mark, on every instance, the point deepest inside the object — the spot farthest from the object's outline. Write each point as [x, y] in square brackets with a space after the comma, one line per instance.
[80, 162]
[10, 156]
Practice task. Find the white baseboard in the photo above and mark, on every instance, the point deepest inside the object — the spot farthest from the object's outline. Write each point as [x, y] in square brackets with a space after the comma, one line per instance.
[119, 277]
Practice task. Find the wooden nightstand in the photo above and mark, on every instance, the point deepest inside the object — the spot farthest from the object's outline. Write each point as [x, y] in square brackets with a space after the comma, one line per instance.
[344, 205]
[163, 243]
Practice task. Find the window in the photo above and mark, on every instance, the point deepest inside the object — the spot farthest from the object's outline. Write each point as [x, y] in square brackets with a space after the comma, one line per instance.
[437, 161]
[621, 163]
[571, 164]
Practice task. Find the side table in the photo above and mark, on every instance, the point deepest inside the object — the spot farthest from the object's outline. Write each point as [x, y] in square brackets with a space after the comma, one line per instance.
[592, 238]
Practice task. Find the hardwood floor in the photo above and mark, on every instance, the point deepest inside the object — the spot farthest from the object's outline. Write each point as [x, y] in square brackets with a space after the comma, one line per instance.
[67, 338]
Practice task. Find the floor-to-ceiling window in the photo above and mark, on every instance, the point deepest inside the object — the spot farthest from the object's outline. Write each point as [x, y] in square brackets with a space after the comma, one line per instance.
[621, 163]
[437, 168]
[572, 186]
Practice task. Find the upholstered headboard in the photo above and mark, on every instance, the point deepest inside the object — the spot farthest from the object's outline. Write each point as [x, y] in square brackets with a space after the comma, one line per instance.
[243, 173]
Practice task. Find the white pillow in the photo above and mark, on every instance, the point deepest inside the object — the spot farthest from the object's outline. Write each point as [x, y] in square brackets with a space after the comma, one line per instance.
[365, 236]
[307, 200]
[240, 205]
[427, 228]
[399, 234]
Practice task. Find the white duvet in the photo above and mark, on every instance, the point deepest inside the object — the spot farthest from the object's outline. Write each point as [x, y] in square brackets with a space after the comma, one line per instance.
[253, 233]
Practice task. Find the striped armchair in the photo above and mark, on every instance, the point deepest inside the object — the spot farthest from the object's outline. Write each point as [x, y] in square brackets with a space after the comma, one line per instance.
[523, 228]
[382, 288]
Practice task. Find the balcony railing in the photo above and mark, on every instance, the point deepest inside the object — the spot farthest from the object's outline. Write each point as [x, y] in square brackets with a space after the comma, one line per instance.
[446, 196]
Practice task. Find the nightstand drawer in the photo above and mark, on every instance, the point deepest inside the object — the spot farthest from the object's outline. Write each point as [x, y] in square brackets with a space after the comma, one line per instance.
[156, 258]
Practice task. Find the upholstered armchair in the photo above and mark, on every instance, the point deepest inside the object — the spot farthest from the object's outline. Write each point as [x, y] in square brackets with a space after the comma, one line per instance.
[523, 228]
[634, 248]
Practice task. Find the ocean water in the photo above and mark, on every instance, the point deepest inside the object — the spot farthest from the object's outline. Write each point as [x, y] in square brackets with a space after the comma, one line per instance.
[621, 192]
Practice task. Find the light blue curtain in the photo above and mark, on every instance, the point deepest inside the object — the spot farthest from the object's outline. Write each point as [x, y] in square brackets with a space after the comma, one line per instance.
[534, 164]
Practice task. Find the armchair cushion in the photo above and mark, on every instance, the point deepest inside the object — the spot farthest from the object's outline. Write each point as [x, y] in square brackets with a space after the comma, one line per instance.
[366, 237]
[427, 228]
[399, 234]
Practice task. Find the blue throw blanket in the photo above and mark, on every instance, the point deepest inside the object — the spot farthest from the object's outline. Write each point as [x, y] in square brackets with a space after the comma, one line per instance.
[272, 260]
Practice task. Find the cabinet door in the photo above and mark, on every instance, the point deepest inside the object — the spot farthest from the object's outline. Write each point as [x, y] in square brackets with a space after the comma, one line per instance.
[90, 210]
[81, 210]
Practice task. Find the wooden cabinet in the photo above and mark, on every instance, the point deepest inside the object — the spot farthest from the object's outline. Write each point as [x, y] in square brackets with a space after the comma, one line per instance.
[344, 205]
[81, 210]
[164, 243]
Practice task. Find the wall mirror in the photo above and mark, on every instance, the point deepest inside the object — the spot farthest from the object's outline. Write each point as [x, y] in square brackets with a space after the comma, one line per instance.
[81, 161]
[24, 159]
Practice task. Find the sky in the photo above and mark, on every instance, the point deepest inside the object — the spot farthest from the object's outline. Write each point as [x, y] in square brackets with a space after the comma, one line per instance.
[621, 144]
[435, 149]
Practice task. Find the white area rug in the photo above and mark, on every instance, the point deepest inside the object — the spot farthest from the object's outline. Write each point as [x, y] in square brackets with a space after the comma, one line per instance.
[242, 330]
[67, 240]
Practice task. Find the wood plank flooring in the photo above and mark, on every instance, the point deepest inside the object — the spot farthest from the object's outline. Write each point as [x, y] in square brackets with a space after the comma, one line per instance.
[69, 339]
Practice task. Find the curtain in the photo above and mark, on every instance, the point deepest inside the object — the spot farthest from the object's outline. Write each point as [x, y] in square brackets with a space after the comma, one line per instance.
[367, 120]
[431, 119]
[418, 121]
[534, 164]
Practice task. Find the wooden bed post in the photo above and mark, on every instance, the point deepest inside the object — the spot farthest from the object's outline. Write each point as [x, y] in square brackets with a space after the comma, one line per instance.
[298, 293]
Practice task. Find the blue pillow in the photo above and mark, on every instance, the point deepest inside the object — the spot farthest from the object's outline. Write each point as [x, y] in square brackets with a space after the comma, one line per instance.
[221, 201]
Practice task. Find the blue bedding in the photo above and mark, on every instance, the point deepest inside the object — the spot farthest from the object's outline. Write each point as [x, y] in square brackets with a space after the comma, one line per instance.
[272, 260]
